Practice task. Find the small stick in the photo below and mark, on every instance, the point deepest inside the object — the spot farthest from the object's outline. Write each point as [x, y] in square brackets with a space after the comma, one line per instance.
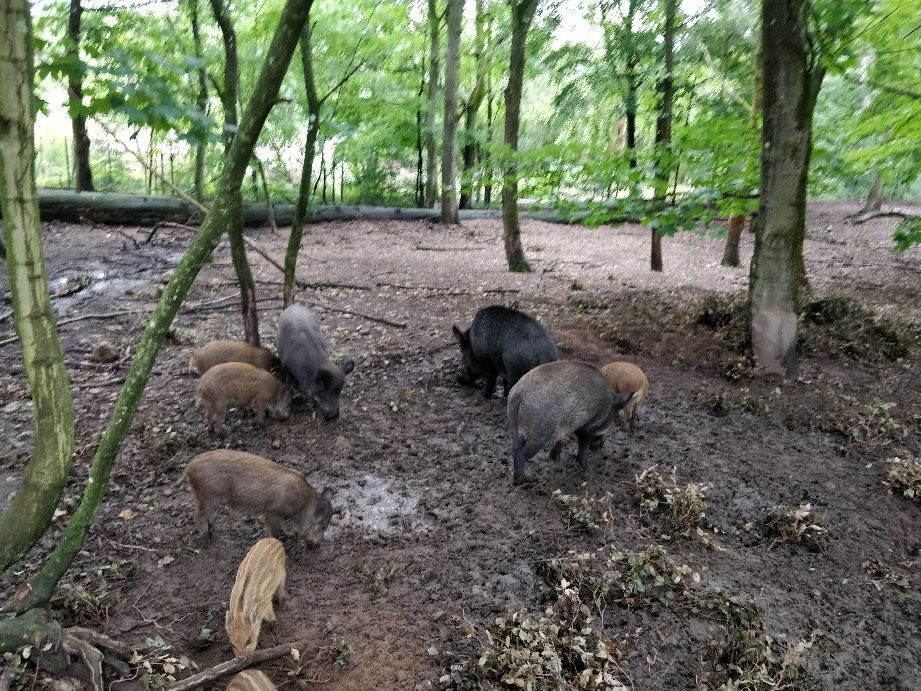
[237, 664]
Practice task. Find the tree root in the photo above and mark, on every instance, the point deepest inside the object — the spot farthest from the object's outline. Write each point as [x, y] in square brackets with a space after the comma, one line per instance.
[48, 639]
[237, 664]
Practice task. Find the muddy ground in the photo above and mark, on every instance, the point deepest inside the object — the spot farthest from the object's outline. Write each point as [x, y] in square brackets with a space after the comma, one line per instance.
[431, 532]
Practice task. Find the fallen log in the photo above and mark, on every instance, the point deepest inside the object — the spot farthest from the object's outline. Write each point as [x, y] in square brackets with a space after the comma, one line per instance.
[143, 210]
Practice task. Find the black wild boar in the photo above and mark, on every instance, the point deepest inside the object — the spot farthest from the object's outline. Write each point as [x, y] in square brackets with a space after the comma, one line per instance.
[304, 355]
[554, 401]
[503, 341]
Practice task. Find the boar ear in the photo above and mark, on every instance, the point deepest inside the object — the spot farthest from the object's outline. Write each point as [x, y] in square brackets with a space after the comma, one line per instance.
[461, 336]
[348, 366]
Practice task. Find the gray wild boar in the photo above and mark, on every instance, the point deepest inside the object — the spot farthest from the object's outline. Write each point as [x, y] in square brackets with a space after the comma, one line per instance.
[239, 384]
[254, 485]
[503, 341]
[260, 579]
[624, 377]
[304, 355]
[219, 352]
[554, 401]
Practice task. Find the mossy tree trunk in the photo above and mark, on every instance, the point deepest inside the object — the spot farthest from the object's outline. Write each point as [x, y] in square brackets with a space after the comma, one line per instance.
[431, 157]
[229, 97]
[83, 173]
[41, 586]
[522, 14]
[792, 79]
[201, 100]
[32, 508]
[303, 195]
[449, 140]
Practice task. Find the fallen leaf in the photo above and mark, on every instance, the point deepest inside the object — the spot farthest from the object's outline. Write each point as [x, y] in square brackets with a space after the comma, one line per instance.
[128, 514]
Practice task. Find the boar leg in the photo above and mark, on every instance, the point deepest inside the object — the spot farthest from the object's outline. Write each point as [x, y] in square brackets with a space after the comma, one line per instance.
[203, 523]
[490, 383]
[273, 523]
[556, 450]
[584, 438]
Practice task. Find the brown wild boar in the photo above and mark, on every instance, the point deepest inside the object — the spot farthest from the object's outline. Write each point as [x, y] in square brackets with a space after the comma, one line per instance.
[261, 577]
[256, 486]
[251, 680]
[625, 377]
[219, 352]
[239, 384]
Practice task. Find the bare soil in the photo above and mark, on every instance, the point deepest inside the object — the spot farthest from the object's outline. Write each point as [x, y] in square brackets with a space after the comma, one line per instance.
[431, 531]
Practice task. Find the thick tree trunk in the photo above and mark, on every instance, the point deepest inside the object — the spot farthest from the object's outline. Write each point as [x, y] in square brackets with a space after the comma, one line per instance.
[449, 139]
[522, 14]
[229, 98]
[431, 160]
[83, 174]
[201, 146]
[666, 89]
[791, 85]
[293, 16]
[733, 236]
[31, 509]
[469, 149]
[303, 194]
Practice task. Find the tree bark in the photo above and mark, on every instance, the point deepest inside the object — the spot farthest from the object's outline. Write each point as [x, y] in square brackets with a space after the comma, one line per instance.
[420, 148]
[449, 140]
[666, 89]
[32, 508]
[469, 149]
[792, 79]
[229, 97]
[292, 19]
[431, 161]
[522, 14]
[875, 198]
[487, 163]
[733, 236]
[303, 194]
[83, 174]
[201, 145]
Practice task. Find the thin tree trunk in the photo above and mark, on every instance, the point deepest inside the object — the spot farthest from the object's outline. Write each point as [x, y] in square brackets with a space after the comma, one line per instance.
[83, 174]
[201, 145]
[303, 195]
[431, 161]
[419, 193]
[666, 89]
[630, 107]
[522, 14]
[487, 161]
[30, 512]
[449, 140]
[469, 149]
[733, 236]
[293, 16]
[270, 210]
[792, 79]
[229, 98]
[875, 198]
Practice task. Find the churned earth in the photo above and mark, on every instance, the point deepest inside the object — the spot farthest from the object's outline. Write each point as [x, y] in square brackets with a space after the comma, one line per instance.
[430, 531]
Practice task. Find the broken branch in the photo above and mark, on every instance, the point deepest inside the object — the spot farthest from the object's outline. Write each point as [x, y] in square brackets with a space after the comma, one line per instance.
[232, 666]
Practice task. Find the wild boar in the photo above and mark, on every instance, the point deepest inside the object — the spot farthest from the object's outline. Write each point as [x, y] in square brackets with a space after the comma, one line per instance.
[625, 377]
[251, 680]
[555, 400]
[257, 486]
[304, 355]
[261, 577]
[503, 341]
[219, 352]
[239, 384]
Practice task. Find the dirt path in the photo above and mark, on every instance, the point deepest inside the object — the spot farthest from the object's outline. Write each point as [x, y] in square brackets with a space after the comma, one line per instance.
[431, 530]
